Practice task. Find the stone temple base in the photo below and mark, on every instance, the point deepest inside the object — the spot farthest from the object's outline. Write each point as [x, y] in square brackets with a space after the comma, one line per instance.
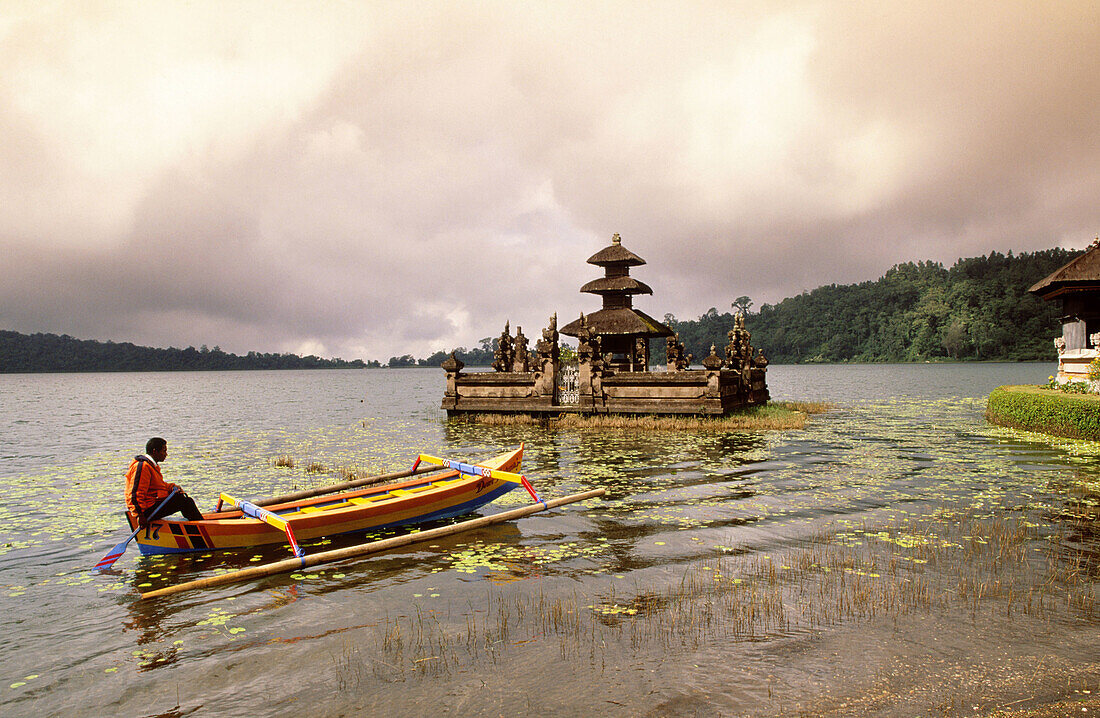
[1073, 365]
[690, 392]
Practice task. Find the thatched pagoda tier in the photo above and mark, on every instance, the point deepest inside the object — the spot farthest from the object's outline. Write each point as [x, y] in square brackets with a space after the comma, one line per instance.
[616, 285]
[616, 255]
[618, 325]
[1080, 275]
[622, 321]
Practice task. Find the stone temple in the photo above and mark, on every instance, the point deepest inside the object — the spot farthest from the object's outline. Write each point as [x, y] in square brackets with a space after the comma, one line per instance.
[612, 374]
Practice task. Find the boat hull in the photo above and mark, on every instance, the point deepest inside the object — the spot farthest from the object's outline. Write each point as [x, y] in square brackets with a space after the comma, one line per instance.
[439, 496]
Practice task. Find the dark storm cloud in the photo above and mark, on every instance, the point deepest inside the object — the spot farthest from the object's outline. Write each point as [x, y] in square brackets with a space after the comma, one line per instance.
[454, 167]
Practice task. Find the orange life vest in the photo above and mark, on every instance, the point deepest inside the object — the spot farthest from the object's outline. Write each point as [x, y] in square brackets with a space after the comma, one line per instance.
[145, 486]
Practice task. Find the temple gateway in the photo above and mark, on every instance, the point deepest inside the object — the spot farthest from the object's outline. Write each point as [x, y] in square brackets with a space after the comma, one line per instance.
[612, 374]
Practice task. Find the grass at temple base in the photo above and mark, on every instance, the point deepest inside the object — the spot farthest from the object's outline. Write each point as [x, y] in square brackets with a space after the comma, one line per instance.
[772, 416]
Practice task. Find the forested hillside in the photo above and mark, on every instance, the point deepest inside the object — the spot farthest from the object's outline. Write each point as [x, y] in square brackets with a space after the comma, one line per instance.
[979, 309]
[50, 352]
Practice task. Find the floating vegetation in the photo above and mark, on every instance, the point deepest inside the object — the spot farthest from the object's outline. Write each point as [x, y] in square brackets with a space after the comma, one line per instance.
[316, 467]
[509, 562]
[217, 619]
[283, 462]
[26, 679]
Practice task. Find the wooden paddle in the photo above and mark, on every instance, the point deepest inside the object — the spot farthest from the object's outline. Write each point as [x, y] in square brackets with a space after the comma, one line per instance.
[116, 553]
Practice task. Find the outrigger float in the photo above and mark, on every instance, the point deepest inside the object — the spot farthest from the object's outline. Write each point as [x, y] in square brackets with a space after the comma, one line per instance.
[456, 488]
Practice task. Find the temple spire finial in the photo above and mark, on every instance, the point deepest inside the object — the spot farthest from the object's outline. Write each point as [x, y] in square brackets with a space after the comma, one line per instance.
[616, 239]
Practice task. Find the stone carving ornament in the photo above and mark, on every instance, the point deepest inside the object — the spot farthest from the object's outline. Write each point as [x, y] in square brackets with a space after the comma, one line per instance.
[546, 368]
[520, 357]
[547, 346]
[739, 349]
[502, 357]
[674, 354]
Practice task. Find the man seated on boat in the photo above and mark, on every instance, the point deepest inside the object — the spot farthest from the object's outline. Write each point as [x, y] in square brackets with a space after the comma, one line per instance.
[146, 487]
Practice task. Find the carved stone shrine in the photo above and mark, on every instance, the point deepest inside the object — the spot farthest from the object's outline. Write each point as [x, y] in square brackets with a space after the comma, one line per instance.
[612, 374]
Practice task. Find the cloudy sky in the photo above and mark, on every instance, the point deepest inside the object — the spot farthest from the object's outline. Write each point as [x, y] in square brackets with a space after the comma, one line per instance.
[369, 179]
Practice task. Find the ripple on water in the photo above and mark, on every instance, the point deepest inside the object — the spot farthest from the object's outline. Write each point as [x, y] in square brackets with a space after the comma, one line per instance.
[694, 580]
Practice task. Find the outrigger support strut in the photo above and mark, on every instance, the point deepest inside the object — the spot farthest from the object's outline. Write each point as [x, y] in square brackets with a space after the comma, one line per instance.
[475, 470]
[250, 509]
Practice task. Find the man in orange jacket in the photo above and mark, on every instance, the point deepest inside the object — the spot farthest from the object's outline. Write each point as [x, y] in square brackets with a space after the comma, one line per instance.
[145, 487]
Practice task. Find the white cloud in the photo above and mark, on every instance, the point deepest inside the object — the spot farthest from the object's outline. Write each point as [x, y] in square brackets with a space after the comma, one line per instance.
[379, 179]
[121, 92]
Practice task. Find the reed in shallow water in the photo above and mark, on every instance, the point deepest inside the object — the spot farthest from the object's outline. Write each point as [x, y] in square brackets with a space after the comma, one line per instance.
[954, 562]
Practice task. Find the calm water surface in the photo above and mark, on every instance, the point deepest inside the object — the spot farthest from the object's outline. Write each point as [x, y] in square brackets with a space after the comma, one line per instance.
[693, 588]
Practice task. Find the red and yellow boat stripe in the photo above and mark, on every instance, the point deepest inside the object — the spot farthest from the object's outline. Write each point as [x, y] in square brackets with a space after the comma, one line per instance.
[441, 496]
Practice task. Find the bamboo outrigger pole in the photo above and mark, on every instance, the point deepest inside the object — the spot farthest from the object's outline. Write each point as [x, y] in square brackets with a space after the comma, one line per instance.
[293, 564]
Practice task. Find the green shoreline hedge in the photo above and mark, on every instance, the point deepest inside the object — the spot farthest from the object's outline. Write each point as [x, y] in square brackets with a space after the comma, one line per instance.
[1049, 411]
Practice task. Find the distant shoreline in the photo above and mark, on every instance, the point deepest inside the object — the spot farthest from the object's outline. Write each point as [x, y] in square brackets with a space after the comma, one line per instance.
[62, 354]
[479, 367]
[52, 353]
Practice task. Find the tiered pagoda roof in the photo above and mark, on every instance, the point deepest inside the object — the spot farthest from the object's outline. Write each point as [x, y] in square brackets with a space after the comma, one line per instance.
[618, 317]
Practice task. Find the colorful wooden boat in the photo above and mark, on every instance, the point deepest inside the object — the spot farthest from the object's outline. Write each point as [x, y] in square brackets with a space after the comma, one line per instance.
[436, 496]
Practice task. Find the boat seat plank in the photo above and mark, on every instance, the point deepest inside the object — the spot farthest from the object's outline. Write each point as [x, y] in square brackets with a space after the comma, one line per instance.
[447, 482]
[364, 500]
[411, 491]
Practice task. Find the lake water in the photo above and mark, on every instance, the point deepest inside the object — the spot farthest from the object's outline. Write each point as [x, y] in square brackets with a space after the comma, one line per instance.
[898, 556]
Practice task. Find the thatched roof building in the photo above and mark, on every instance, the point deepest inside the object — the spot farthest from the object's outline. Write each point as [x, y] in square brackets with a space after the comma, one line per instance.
[618, 324]
[1077, 286]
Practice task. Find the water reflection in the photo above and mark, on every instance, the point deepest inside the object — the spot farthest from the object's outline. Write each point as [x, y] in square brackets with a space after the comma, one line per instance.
[641, 583]
[146, 618]
[1076, 512]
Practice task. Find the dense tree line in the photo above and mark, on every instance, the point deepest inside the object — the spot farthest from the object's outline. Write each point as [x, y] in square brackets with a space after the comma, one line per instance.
[979, 309]
[479, 356]
[53, 353]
